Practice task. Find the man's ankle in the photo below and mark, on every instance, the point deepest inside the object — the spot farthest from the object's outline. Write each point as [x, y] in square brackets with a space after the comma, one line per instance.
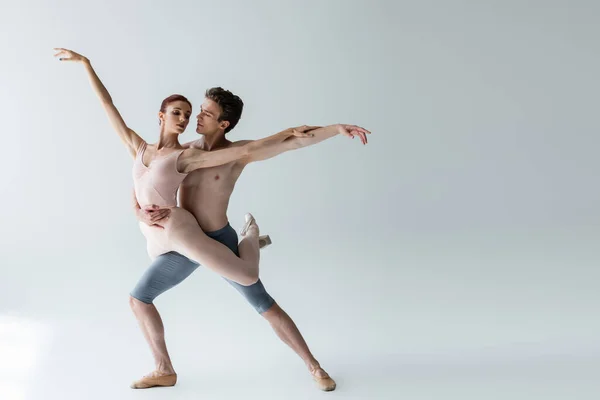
[313, 366]
[165, 369]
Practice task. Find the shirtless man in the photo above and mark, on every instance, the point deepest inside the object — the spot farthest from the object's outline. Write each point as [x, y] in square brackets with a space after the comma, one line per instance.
[206, 193]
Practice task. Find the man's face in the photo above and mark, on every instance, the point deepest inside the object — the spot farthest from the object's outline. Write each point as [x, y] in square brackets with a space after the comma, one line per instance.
[208, 119]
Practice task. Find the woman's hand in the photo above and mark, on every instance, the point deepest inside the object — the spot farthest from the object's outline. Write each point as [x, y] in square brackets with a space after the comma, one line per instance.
[70, 55]
[131, 139]
[303, 131]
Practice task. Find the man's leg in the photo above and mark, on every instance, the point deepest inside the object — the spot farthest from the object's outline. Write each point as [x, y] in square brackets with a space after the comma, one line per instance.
[280, 321]
[165, 272]
[154, 332]
[288, 332]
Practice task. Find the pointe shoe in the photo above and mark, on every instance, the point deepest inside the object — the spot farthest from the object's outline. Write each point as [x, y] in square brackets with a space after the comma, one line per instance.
[249, 220]
[264, 241]
[324, 383]
[153, 381]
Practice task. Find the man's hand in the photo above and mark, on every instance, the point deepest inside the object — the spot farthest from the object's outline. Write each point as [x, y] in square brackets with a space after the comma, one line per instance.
[153, 215]
[352, 130]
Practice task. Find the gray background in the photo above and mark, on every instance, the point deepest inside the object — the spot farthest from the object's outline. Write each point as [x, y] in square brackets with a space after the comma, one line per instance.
[455, 256]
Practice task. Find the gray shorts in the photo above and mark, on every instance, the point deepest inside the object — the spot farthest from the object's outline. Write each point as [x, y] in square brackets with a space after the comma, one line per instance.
[169, 269]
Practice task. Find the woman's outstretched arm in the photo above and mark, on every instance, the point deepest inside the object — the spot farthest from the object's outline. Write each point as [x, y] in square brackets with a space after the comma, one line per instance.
[131, 139]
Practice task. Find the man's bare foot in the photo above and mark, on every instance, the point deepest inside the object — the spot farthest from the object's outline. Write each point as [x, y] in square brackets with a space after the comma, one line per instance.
[155, 378]
[322, 379]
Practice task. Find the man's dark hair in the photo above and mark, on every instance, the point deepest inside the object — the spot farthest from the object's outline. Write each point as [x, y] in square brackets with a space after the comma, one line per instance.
[231, 105]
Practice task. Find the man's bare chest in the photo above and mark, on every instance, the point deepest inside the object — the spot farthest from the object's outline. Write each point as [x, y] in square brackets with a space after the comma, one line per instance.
[215, 179]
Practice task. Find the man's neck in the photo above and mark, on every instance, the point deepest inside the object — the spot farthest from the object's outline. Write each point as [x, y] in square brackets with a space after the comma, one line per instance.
[214, 142]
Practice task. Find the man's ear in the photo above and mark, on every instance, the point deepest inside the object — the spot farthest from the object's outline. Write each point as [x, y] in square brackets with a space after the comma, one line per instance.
[224, 124]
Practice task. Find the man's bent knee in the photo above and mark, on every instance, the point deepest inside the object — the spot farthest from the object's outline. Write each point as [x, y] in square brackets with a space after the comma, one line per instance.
[136, 304]
[271, 311]
[249, 280]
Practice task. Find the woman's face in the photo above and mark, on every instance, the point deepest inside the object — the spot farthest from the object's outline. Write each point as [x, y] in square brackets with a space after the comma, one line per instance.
[176, 117]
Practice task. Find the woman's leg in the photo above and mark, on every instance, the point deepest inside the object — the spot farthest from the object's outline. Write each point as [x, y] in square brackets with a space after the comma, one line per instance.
[185, 236]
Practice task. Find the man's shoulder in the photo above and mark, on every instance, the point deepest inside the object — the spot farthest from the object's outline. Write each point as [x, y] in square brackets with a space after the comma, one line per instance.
[239, 143]
[241, 163]
[194, 144]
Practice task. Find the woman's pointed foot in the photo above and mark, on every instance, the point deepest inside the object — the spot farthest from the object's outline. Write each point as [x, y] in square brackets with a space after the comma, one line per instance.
[249, 225]
[264, 241]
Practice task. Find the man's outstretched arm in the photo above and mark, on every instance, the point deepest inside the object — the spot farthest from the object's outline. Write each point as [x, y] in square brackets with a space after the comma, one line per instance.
[319, 134]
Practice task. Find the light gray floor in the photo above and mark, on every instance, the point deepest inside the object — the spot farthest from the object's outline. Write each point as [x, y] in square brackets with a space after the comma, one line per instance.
[454, 257]
[456, 317]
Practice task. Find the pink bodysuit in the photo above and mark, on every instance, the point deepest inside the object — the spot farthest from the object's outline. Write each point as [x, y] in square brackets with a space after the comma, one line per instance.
[157, 183]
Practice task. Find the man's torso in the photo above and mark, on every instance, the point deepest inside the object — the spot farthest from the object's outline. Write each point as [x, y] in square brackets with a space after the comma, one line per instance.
[205, 192]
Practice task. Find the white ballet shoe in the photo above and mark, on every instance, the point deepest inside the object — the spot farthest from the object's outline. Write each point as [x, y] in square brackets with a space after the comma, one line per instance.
[263, 241]
[249, 220]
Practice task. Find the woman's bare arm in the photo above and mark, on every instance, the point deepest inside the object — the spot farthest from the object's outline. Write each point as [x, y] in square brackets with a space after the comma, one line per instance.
[131, 139]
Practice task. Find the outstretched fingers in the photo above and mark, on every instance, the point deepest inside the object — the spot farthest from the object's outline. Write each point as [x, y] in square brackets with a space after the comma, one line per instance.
[358, 131]
[68, 55]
